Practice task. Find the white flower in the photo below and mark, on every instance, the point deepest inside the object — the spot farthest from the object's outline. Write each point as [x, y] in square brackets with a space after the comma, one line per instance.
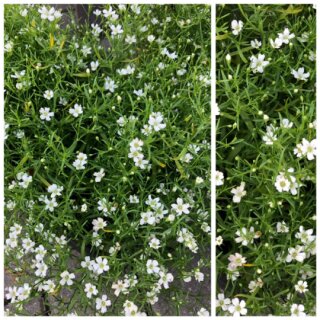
[99, 175]
[120, 287]
[94, 65]
[254, 284]
[238, 192]
[286, 36]
[276, 44]
[147, 218]
[180, 207]
[24, 12]
[236, 260]
[50, 14]
[97, 12]
[300, 75]
[255, 44]
[219, 241]
[138, 93]
[49, 286]
[80, 162]
[219, 178]
[305, 236]
[301, 286]
[136, 145]
[48, 94]
[12, 294]
[86, 50]
[237, 308]
[66, 278]
[152, 267]
[245, 236]
[151, 38]
[223, 302]
[270, 135]
[282, 183]
[165, 279]
[155, 121]
[103, 205]
[50, 204]
[236, 26]
[282, 227]
[103, 303]
[285, 123]
[42, 269]
[98, 224]
[100, 265]
[55, 190]
[298, 151]
[90, 290]
[76, 110]
[258, 64]
[309, 148]
[130, 39]
[116, 30]
[127, 70]
[110, 85]
[296, 253]
[154, 243]
[297, 310]
[96, 30]
[46, 114]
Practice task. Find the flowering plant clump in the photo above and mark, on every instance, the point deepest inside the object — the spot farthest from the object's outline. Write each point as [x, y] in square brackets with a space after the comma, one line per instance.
[107, 159]
[265, 160]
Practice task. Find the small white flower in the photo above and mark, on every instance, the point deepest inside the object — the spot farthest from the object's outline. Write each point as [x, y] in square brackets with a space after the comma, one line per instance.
[282, 183]
[76, 110]
[100, 265]
[98, 224]
[110, 85]
[94, 65]
[257, 63]
[296, 253]
[238, 192]
[66, 278]
[297, 310]
[50, 204]
[130, 39]
[99, 175]
[286, 36]
[276, 44]
[153, 267]
[236, 26]
[90, 290]
[180, 207]
[103, 303]
[300, 75]
[46, 114]
[219, 178]
[151, 38]
[255, 44]
[116, 30]
[223, 302]
[237, 308]
[48, 94]
[301, 286]
[309, 148]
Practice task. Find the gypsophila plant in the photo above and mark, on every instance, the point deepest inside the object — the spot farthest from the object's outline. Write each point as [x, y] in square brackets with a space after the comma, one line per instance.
[265, 155]
[107, 159]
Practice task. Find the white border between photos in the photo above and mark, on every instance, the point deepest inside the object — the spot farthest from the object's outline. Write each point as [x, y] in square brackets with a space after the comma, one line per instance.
[208, 2]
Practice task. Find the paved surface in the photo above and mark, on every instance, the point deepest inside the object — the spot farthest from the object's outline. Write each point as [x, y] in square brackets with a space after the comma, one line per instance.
[196, 295]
